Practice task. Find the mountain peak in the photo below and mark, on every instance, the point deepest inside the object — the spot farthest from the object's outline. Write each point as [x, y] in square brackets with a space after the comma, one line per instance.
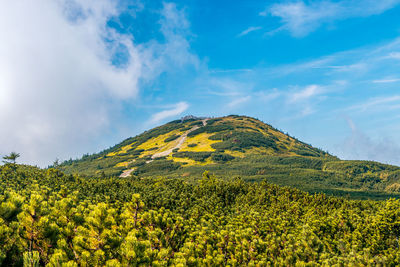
[196, 141]
[192, 117]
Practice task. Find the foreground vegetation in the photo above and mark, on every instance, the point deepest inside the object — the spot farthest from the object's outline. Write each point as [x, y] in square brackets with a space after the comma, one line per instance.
[50, 218]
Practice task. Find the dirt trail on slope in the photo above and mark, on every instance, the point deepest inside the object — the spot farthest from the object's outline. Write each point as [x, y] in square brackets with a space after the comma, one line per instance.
[127, 173]
[179, 143]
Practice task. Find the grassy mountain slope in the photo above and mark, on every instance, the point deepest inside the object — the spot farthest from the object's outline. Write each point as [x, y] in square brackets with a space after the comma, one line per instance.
[238, 146]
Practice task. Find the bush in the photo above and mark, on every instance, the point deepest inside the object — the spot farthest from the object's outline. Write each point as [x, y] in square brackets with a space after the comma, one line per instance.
[157, 166]
[212, 121]
[171, 138]
[221, 157]
[211, 129]
[242, 140]
[197, 156]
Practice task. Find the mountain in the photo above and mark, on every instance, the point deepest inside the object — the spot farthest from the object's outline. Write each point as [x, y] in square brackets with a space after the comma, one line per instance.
[235, 146]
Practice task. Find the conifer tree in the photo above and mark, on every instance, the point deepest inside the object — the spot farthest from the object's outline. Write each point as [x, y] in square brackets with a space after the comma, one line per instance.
[12, 158]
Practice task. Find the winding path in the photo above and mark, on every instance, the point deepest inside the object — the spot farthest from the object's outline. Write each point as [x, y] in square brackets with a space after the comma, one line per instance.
[179, 143]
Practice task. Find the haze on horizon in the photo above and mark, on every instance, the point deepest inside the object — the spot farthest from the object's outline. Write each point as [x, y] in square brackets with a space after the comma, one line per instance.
[78, 76]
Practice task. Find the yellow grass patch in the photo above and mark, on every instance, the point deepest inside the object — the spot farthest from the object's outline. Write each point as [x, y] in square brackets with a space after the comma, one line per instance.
[123, 149]
[260, 150]
[190, 162]
[206, 162]
[202, 141]
[127, 147]
[395, 187]
[122, 164]
[159, 142]
[254, 150]
[384, 176]
[112, 154]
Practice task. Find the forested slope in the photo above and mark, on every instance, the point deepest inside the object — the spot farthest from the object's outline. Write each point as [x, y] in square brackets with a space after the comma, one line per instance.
[238, 146]
[206, 142]
[50, 218]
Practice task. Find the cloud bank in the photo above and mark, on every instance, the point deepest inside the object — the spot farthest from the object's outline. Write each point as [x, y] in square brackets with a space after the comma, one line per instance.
[59, 84]
[360, 146]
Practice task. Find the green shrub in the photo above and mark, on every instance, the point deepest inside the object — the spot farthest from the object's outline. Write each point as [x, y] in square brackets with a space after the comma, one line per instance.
[221, 157]
[211, 129]
[157, 166]
[171, 138]
[242, 140]
[197, 156]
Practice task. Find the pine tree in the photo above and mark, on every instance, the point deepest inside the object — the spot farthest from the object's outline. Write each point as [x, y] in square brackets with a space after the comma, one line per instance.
[12, 158]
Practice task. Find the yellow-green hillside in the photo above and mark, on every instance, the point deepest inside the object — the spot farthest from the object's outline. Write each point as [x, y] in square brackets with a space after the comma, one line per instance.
[234, 146]
[196, 142]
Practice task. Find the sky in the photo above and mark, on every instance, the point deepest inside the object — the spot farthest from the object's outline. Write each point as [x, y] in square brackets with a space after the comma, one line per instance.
[79, 76]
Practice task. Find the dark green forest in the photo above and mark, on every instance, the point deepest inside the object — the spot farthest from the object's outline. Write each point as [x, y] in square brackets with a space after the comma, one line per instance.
[49, 218]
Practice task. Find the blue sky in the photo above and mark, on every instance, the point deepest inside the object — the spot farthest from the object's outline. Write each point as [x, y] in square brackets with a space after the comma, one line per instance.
[78, 76]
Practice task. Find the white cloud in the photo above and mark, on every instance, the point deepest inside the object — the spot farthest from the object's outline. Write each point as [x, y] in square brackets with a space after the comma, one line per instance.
[238, 101]
[249, 30]
[229, 70]
[305, 94]
[360, 146]
[223, 93]
[176, 110]
[394, 55]
[266, 96]
[302, 101]
[227, 87]
[377, 104]
[288, 69]
[301, 18]
[356, 67]
[175, 52]
[59, 90]
[386, 81]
